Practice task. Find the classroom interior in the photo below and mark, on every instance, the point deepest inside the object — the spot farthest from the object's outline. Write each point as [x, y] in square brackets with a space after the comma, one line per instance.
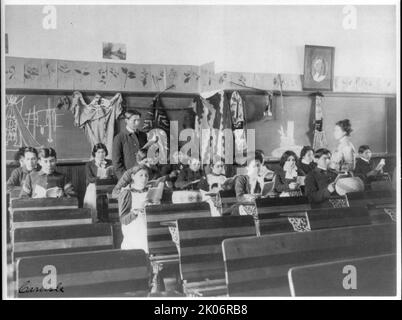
[76, 74]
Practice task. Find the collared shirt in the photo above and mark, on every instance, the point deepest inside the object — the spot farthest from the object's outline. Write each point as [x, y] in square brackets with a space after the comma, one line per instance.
[39, 180]
[18, 177]
[125, 148]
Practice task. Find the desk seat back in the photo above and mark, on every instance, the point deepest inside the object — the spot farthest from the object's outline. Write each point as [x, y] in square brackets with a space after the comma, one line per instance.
[61, 239]
[269, 211]
[371, 276]
[86, 274]
[159, 238]
[337, 217]
[201, 244]
[112, 209]
[379, 204]
[53, 217]
[228, 199]
[105, 186]
[258, 266]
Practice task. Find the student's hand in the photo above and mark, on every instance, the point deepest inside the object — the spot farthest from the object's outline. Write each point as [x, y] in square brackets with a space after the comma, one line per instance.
[173, 174]
[59, 193]
[331, 187]
[293, 185]
[380, 165]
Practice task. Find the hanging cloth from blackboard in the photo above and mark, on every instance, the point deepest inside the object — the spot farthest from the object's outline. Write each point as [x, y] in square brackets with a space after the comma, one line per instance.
[320, 140]
[97, 118]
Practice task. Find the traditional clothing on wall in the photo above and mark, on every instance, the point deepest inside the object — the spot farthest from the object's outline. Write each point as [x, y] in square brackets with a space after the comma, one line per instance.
[157, 118]
[238, 122]
[97, 118]
[212, 113]
[320, 140]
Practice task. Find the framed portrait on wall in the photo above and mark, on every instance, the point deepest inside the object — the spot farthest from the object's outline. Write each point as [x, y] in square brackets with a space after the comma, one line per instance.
[318, 68]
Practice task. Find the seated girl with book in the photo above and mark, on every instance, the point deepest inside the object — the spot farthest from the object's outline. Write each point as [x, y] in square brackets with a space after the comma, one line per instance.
[97, 168]
[285, 180]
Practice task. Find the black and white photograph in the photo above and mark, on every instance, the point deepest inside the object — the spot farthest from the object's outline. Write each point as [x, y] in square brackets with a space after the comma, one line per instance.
[199, 150]
[115, 51]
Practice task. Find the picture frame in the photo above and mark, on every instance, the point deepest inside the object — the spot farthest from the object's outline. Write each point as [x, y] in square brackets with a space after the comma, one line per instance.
[318, 68]
[114, 51]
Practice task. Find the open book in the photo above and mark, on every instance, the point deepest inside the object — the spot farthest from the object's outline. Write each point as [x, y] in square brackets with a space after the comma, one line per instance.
[154, 194]
[40, 192]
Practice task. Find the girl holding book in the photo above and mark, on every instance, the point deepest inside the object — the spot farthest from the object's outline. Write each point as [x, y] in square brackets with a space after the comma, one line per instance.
[97, 168]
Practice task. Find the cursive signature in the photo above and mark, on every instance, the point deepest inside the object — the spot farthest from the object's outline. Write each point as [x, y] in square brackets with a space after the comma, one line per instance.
[27, 288]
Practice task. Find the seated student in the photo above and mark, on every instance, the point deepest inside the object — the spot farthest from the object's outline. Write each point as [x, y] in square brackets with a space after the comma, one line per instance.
[285, 180]
[19, 156]
[29, 162]
[365, 168]
[156, 172]
[216, 179]
[190, 177]
[132, 201]
[320, 183]
[306, 162]
[47, 182]
[265, 171]
[249, 185]
[98, 168]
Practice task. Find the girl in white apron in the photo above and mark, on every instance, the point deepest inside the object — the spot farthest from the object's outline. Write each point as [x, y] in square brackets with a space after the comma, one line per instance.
[132, 201]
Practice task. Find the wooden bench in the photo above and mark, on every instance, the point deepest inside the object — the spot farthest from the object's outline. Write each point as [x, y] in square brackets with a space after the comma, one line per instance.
[103, 187]
[374, 276]
[315, 219]
[381, 183]
[381, 204]
[201, 262]
[54, 217]
[258, 266]
[43, 204]
[337, 217]
[117, 273]
[160, 241]
[61, 239]
[270, 210]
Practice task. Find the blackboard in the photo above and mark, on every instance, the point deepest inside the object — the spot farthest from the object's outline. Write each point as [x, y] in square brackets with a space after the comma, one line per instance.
[34, 120]
[369, 115]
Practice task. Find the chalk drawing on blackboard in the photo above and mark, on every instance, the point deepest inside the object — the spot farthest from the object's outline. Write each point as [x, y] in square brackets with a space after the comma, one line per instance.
[286, 141]
[33, 126]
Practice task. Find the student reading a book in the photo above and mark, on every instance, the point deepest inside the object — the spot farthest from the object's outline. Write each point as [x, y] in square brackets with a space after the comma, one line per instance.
[132, 200]
[285, 180]
[47, 182]
[249, 185]
[215, 180]
[29, 162]
[320, 182]
[365, 168]
[98, 168]
[190, 177]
